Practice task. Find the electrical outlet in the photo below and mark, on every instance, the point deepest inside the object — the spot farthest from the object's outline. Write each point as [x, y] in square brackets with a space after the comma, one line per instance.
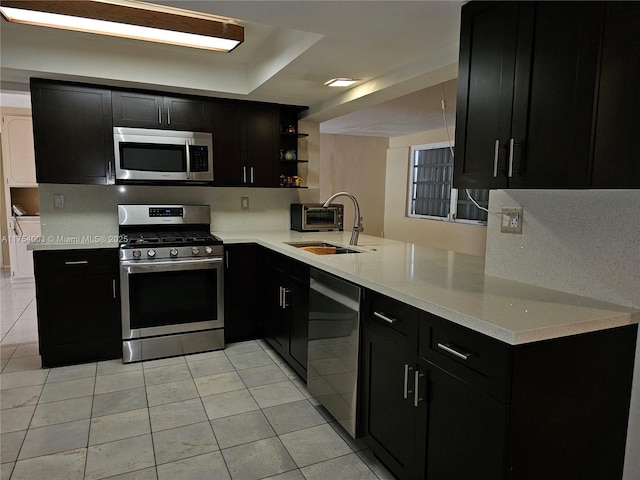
[244, 203]
[58, 200]
[511, 220]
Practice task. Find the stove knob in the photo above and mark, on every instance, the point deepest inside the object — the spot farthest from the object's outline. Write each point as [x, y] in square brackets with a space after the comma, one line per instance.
[151, 253]
[195, 250]
[173, 252]
[208, 250]
[136, 253]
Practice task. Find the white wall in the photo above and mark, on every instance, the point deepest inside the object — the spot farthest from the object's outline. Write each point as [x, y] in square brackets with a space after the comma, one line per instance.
[355, 164]
[585, 242]
[464, 238]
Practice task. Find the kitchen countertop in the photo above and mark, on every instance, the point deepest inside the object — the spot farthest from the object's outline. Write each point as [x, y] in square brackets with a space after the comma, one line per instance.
[447, 284]
[451, 285]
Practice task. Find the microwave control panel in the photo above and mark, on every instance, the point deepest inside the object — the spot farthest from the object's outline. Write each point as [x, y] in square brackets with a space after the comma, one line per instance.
[199, 158]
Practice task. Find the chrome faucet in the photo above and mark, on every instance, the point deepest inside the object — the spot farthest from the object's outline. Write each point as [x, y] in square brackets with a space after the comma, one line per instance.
[357, 222]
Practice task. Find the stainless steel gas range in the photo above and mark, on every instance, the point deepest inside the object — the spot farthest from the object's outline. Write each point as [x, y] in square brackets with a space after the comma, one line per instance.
[171, 281]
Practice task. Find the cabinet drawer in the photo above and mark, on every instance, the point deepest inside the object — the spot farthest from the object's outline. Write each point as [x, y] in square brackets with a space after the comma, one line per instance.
[75, 262]
[392, 318]
[477, 359]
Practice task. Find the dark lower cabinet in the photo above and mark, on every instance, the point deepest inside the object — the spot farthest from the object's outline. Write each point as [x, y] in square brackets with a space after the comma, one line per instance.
[457, 404]
[242, 295]
[389, 365]
[73, 134]
[78, 300]
[465, 433]
[287, 309]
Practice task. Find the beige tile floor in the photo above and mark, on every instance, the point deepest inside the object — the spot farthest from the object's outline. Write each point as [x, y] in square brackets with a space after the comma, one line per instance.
[240, 413]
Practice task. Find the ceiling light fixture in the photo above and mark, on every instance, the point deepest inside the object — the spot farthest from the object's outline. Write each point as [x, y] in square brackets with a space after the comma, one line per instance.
[341, 82]
[129, 19]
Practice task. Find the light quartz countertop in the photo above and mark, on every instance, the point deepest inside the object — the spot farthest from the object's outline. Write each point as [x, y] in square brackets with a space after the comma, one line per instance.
[447, 284]
[452, 286]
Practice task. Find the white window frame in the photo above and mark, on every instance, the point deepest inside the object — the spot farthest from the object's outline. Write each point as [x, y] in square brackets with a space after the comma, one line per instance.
[453, 202]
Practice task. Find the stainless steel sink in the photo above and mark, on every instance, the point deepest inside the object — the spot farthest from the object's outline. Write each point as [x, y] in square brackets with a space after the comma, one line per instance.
[339, 249]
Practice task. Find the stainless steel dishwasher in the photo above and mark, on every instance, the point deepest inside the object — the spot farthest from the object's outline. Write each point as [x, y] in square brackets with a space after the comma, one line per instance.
[334, 333]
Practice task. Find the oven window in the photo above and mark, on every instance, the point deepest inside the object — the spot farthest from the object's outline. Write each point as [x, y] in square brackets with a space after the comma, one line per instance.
[150, 157]
[321, 216]
[172, 298]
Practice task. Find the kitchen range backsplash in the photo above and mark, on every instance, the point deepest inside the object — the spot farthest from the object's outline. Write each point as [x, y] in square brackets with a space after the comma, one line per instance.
[91, 211]
[584, 242]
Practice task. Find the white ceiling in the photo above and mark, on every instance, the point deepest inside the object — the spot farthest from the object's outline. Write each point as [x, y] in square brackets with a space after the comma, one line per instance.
[398, 48]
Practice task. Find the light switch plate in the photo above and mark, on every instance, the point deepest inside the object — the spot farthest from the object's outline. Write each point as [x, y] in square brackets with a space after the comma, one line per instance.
[511, 220]
[244, 203]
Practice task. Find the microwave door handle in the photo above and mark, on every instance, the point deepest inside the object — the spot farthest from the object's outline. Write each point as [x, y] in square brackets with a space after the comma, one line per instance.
[188, 160]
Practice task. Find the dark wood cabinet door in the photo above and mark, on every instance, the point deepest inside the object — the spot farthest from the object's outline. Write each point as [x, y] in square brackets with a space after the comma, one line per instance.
[552, 131]
[241, 277]
[464, 430]
[615, 160]
[73, 135]
[388, 419]
[299, 324]
[188, 114]
[229, 143]
[277, 316]
[486, 78]
[78, 304]
[263, 142]
[134, 109]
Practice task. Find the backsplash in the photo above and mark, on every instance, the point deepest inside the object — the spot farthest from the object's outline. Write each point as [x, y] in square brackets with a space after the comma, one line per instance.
[585, 242]
[92, 210]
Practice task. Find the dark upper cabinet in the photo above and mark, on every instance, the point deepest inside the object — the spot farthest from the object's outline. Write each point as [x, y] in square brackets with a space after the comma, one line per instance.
[533, 88]
[144, 110]
[615, 160]
[245, 143]
[73, 136]
[78, 301]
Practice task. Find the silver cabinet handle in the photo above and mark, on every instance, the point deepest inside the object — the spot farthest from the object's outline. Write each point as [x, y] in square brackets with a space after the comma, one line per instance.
[76, 262]
[510, 171]
[384, 317]
[285, 293]
[449, 348]
[168, 116]
[252, 176]
[496, 151]
[226, 257]
[406, 391]
[159, 115]
[113, 286]
[416, 386]
[244, 174]
[280, 297]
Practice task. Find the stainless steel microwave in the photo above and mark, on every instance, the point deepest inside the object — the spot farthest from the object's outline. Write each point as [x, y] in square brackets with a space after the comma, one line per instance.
[313, 217]
[148, 155]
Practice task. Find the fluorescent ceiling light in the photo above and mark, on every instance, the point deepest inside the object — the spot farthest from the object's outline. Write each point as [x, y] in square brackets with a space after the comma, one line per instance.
[341, 82]
[129, 19]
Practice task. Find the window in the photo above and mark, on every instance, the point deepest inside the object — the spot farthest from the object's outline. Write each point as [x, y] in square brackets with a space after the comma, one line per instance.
[431, 194]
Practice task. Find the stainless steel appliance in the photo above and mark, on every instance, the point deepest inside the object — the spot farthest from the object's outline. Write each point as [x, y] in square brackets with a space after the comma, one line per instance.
[171, 281]
[314, 217]
[147, 155]
[334, 332]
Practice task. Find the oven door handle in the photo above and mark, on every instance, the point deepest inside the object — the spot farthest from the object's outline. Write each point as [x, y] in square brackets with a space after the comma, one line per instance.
[195, 264]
